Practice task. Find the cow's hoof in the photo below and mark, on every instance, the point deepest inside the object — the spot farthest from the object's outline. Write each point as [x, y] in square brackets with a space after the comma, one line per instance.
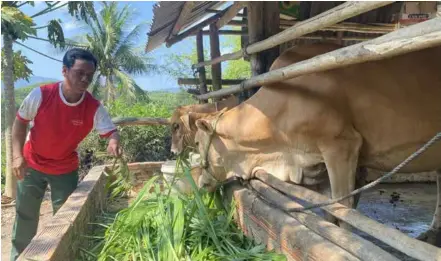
[431, 236]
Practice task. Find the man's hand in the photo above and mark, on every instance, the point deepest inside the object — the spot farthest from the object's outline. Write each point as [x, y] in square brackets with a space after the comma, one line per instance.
[113, 148]
[19, 167]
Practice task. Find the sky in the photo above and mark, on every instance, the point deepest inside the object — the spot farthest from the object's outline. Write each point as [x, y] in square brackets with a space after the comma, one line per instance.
[143, 11]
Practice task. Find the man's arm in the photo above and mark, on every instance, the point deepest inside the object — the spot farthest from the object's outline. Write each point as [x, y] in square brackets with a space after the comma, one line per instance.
[25, 114]
[106, 129]
[19, 130]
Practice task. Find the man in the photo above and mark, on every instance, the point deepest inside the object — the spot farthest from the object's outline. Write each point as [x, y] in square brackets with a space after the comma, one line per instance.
[61, 115]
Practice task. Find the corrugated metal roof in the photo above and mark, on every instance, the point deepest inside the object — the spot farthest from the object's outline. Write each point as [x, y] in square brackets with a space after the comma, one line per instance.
[166, 14]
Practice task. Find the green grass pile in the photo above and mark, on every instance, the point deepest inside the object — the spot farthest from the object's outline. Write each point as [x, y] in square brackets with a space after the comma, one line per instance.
[159, 225]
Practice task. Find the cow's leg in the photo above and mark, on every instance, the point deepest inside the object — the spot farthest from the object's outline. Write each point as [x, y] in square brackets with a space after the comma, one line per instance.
[360, 181]
[433, 235]
[341, 158]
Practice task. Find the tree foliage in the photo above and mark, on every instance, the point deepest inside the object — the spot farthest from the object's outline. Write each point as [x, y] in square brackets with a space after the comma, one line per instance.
[20, 66]
[179, 65]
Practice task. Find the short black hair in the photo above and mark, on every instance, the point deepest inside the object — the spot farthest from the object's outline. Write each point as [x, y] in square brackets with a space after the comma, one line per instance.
[78, 53]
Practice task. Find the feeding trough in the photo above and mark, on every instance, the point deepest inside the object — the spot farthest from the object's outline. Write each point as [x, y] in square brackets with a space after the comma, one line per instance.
[179, 182]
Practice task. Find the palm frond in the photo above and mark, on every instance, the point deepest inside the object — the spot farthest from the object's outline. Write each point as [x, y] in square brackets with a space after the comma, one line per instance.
[128, 86]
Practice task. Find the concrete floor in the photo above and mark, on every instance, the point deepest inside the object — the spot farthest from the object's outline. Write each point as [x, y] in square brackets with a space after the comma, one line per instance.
[407, 207]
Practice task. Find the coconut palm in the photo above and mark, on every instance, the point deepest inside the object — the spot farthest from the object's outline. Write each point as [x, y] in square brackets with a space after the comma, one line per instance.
[16, 26]
[113, 39]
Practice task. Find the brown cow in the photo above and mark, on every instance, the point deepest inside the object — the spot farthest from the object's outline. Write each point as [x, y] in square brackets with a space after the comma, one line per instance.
[182, 135]
[373, 114]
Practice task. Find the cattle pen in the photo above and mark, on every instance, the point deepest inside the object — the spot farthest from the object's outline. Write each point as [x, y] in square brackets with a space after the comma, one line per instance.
[367, 31]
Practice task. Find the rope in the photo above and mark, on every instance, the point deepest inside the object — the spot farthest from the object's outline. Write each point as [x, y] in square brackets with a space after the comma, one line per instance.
[370, 185]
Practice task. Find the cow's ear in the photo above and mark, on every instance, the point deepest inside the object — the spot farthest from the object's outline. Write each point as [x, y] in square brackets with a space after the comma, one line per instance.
[189, 121]
[186, 121]
[204, 125]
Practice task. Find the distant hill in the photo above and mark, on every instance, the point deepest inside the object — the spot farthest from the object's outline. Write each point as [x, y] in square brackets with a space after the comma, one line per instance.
[32, 80]
[172, 90]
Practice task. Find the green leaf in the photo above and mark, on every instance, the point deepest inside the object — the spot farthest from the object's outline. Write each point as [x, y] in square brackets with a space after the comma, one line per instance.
[16, 23]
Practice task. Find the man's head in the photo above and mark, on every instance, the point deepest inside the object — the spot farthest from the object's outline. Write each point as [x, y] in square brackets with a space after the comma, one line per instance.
[79, 67]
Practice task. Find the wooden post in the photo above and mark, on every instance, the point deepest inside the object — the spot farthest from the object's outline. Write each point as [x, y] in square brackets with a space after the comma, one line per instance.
[216, 69]
[256, 34]
[339, 38]
[271, 16]
[200, 53]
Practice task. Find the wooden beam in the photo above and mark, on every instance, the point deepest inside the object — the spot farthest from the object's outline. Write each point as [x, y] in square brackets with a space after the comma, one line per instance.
[271, 27]
[194, 30]
[409, 246]
[325, 19]
[130, 121]
[228, 32]
[354, 244]
[278, 230]
[256, 33]
[185, 11]
[194, 92]
[230, 14]
[193, 81]
[212, 11]
[216, 69]
[415, 37]
[200, 53]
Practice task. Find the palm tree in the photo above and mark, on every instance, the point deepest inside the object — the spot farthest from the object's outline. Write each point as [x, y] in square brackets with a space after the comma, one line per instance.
[112, 39]
[18, 26]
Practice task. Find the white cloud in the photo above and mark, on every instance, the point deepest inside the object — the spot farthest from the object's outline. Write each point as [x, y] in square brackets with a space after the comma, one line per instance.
[71, 25]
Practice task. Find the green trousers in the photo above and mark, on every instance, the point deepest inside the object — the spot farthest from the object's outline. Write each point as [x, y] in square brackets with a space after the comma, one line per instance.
[30, 193]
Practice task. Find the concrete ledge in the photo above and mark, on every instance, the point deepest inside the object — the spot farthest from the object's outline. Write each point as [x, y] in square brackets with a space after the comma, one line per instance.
[58, 239]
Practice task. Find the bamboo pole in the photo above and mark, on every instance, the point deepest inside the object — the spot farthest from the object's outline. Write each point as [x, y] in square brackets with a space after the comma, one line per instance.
[396, 239]
[230, 14]
[353, 30]
[131, 121]
[193, 81]
[354, 244]
[416, 37]
[325, 19]
[307, 37]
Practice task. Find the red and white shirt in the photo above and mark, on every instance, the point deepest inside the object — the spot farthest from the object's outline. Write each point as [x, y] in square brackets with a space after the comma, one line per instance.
[58, 127]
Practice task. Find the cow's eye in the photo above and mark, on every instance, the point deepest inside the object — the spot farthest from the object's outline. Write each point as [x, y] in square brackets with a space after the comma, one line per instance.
[175, 126]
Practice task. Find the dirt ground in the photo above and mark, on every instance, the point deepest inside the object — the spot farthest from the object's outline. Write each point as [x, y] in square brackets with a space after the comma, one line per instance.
[8, 216]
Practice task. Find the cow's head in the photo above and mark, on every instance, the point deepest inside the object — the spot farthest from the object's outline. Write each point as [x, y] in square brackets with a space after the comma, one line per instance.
[182, 132]
[210, 146]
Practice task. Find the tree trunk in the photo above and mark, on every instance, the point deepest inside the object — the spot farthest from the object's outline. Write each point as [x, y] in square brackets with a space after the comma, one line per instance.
[8, 73]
